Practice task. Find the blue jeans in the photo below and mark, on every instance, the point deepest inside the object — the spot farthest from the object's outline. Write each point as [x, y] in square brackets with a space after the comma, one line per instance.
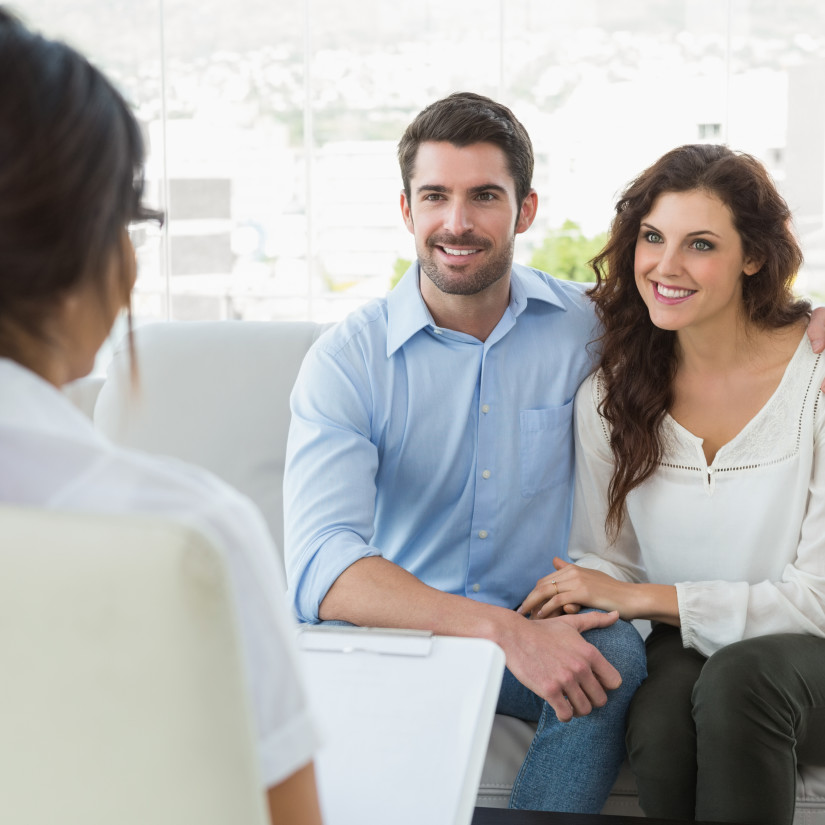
[571, 766]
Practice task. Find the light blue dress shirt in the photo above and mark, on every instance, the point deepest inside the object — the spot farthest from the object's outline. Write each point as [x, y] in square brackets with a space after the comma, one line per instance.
[449, 456]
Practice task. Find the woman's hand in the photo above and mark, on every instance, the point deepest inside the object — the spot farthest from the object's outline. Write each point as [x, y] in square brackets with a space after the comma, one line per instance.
[571, 587]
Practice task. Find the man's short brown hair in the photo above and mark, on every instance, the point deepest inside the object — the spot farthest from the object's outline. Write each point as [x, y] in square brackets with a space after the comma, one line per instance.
[465, 118]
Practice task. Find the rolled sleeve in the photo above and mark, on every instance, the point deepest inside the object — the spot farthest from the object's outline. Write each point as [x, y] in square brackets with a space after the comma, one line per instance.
[329, 479]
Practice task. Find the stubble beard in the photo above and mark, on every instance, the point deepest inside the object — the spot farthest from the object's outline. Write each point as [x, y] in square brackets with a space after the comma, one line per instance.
[465, 283]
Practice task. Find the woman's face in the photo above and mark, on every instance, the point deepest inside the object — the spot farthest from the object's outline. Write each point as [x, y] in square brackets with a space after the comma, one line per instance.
[689, 262]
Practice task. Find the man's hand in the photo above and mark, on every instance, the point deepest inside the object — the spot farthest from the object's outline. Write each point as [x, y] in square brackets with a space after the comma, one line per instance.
[816, 330]
[551, 658]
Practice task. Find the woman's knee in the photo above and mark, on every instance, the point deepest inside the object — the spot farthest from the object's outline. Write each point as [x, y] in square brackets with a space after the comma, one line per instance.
[742, 679]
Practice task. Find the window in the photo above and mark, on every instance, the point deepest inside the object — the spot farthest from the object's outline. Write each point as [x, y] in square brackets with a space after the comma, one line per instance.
[272, 125]
[711, 132]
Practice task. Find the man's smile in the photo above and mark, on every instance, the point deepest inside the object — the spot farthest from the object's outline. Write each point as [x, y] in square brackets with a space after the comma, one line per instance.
[451, 251]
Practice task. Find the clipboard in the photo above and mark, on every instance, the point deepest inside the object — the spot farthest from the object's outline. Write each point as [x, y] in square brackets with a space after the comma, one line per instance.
[404, 717]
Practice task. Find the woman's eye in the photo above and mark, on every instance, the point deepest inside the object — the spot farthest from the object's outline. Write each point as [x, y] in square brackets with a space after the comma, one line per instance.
[702, 246]
[653, 237]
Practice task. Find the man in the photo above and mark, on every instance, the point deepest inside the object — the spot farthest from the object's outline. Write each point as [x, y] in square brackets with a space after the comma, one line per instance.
[430, 457]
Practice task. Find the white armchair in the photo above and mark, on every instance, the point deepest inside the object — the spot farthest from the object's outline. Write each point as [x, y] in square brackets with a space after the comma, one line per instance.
[122, 690]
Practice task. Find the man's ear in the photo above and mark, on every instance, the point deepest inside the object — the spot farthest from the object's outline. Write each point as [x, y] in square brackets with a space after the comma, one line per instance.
[406, 212]
[527, 213]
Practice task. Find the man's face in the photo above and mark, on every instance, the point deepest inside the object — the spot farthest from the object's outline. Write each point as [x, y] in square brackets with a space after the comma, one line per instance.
[463, 213]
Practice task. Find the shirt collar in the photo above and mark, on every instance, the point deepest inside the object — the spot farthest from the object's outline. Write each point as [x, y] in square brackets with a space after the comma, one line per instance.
[407, 313]
[528, 284]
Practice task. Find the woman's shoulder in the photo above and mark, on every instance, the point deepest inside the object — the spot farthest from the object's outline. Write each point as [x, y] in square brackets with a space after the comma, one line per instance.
[805, 370]
[806, 381]
[591, 391]
[181, 491]
[171, 477]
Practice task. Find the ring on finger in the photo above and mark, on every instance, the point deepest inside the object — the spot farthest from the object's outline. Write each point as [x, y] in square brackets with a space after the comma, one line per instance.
[556, 585]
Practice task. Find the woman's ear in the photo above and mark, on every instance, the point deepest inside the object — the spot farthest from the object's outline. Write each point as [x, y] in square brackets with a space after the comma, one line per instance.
[752, 266]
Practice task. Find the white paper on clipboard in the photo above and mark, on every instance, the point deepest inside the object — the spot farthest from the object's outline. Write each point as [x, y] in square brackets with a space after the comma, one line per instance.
[404, 719]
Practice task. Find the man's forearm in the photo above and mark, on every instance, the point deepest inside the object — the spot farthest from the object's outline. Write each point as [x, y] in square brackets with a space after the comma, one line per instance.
[376, 592]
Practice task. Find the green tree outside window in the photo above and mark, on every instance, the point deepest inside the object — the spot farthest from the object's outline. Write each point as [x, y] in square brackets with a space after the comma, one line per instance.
[566, 251]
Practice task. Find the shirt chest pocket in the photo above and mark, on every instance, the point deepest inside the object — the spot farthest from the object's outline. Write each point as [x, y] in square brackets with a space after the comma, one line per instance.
[546, 448]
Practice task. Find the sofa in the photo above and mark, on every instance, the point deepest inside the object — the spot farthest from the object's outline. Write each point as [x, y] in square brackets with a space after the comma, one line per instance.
[216, 393]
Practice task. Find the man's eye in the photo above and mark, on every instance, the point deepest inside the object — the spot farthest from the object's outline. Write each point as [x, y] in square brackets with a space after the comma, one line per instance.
[485, 196]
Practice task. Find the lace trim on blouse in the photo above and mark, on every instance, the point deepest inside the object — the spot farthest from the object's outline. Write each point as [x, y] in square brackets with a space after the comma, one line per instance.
[768, 438]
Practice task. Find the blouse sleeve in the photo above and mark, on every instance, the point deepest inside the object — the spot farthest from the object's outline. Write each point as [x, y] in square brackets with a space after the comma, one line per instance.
[589, 543]
[714, 614]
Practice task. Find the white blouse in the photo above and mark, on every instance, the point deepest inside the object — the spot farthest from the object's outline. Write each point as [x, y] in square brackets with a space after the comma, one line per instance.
[743, 539]
[51, 456]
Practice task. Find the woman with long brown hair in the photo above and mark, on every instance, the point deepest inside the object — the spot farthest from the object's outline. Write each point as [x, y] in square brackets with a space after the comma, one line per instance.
[700, 488]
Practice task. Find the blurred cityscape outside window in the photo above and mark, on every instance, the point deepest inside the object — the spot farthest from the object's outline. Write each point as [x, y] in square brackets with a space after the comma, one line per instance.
[272, 125]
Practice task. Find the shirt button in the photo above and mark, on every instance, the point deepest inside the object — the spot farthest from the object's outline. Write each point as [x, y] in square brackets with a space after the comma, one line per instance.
[482, 534]
[437, 331]
[476, 588]
[486, 474]
[485, 408]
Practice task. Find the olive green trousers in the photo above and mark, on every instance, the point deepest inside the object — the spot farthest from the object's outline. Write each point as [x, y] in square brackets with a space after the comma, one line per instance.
[719, 738]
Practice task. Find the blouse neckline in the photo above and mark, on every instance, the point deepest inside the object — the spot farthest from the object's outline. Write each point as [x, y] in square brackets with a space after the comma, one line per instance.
[748, 445]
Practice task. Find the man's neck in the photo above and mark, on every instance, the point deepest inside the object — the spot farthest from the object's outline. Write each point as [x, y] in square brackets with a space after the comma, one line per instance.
[476, 315]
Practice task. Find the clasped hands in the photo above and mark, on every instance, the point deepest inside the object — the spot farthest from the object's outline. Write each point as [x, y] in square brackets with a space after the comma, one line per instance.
[576, 677]
[572, 587]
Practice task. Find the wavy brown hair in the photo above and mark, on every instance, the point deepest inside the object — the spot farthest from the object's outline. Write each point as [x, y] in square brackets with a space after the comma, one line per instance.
[638, 360]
